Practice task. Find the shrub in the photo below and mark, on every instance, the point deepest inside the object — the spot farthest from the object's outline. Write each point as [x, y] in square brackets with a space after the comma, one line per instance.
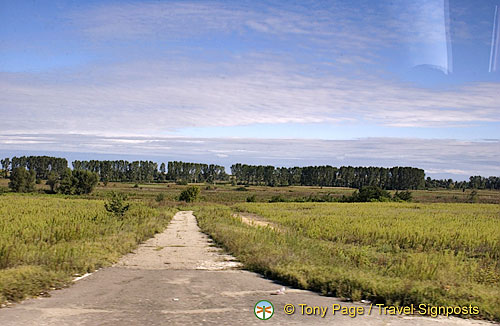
[368, 194]
[117, 204]
[472, 198]
[241, 189]
[160, 197]
[277, 199]
[324, 198]
[403, 195]
[182, 182]
[190, 194]
[22, 180]
[251, 199]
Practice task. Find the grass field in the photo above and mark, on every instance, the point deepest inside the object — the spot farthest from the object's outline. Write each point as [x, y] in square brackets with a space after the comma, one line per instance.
[437, 250]
[45, 240]
[227, 194]
[395, 253]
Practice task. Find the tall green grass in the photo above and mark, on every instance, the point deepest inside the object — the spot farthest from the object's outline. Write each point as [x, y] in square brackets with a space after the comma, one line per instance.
[438, 254]
[44, 240]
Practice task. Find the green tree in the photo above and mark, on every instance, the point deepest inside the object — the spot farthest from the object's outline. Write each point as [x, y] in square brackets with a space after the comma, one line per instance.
[5, 165]
[78, 182]
[67, 184]
[85, 181]
[53, 181]
[22, 180]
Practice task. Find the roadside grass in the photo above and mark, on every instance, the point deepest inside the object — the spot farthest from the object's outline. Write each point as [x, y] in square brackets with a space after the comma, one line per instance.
[45, 240]
[391, 253]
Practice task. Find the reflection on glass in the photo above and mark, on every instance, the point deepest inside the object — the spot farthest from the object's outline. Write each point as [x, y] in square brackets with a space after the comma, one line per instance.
[430, 35]
[494, 43]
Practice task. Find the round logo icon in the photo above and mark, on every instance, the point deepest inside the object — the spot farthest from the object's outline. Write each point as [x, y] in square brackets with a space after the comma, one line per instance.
[263, 310]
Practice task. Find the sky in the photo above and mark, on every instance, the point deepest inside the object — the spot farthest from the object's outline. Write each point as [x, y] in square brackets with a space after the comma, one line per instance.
[288, 83]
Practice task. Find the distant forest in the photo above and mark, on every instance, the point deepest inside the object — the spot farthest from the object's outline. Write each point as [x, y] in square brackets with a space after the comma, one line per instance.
[397, 178]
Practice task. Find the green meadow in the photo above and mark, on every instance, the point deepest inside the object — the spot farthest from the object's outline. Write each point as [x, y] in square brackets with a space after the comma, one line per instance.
[47, 240]
[438, 249]
[392, 253]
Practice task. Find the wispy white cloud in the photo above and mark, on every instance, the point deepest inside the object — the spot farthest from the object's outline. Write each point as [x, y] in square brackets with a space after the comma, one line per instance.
[154, 98]
[345, 30]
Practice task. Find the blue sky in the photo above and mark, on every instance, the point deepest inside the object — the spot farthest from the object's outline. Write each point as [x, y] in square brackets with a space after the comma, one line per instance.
[318, 82]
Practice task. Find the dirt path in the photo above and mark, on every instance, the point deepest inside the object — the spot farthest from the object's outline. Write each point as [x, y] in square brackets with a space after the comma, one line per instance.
[181, 246]
[254, 220]
[180, 278]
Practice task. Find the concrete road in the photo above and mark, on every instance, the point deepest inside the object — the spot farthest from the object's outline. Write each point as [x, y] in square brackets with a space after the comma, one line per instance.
[180, 278]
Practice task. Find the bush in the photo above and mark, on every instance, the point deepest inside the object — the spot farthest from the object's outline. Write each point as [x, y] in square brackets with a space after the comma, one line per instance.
[472, 198]
[241, 189]
[251, 199]
[368, 194]
[190, 194]
[182, 182]
[160, 197]
[277, 199]
[22, 180]
[403, 196]
[324, 198]
[117, 204]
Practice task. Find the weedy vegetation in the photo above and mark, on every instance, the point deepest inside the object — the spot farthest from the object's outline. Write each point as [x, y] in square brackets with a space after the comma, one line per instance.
[392, 253]
[45, 240]
[437, 246]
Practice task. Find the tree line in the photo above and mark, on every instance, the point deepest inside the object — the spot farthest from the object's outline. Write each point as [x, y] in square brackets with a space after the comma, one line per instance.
[475, 182]
[196, 172]
[329, 176]
[397, 178]
[120, 170]
[44, 167]
[148, 171]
